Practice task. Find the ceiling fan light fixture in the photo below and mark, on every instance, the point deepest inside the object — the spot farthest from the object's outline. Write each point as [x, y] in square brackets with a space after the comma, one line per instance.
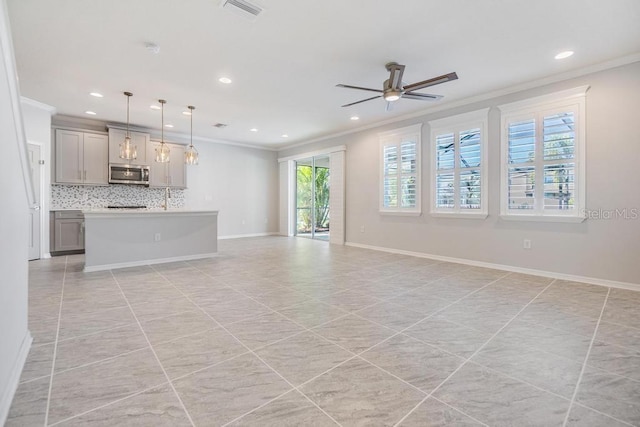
[392, 95]
[128, 151]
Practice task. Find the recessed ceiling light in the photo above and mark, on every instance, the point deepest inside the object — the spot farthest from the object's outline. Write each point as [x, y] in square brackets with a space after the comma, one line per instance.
[285, 135]
[152, 47]
[96, 94]
[225, 80]
[155, 107]
[253, 130]
[168, 126]
[355, 118]
[186, 113]
[565, 54]
[91, 113]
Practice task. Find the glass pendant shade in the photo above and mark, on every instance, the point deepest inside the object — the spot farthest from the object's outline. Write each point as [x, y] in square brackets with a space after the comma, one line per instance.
[191, 155]
[128, 151]
[162, 151]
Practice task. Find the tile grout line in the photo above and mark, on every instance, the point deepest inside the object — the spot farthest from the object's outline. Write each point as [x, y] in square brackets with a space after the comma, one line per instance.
[152, 350]
[459, 411]
[586, 359]
[358, 355]
[245, 346]
[474, 353]
[604, 414]
[106, 405]
[55, 345]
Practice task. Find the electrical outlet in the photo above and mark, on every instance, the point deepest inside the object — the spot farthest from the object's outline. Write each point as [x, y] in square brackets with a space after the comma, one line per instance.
[244, 222]
[526, 244]
[157, 237]
[362, 228]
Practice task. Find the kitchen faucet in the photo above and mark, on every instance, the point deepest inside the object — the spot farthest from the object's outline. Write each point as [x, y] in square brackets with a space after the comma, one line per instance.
[167, 196]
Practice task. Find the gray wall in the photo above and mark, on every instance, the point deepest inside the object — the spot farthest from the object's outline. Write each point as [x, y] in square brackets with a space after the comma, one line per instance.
[14, 335]
[603, 249]
[239, 182]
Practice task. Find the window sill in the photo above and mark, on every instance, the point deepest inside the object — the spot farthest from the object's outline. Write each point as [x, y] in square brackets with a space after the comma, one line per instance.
[543, 218]
[401, 213]
[470, 215]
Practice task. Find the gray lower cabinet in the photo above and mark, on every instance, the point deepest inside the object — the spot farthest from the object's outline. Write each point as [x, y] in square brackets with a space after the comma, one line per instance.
[67, 231]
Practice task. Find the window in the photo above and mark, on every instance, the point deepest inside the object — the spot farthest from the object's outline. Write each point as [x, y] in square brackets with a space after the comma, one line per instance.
[458, 167]
[543, 143]
[400, 175]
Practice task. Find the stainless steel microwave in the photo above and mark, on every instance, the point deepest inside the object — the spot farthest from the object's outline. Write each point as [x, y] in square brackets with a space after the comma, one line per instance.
[128, 174]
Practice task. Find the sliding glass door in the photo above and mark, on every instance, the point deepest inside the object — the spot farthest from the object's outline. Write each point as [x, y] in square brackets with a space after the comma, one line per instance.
[312, 197]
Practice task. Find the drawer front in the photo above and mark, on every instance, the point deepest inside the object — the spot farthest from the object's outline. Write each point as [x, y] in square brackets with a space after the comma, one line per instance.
[68, 215]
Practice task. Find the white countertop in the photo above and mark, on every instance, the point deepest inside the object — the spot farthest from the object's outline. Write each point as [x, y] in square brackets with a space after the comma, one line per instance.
[95, 212]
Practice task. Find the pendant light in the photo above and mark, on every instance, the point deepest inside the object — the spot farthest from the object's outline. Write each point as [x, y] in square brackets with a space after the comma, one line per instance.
[128, 151]
[162, 151]
[191, 155]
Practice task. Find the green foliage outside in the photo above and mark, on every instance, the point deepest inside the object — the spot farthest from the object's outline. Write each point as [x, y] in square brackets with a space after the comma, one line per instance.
[304, 180]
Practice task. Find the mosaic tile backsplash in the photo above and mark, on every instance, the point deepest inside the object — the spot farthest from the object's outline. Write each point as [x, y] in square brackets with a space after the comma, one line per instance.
[88, 196]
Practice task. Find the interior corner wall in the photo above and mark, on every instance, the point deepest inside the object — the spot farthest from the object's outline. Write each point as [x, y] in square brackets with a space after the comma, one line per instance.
[14, 335]
[37, 125]
[606, 248]
[241, 183]
[284, 169]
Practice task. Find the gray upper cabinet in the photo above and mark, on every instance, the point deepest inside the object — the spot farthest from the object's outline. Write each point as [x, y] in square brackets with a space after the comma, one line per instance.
[81, 158]
[171, 174]
[139, 139]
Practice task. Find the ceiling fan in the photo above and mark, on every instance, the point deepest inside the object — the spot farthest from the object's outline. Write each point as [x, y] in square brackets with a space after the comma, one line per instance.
[393, 88]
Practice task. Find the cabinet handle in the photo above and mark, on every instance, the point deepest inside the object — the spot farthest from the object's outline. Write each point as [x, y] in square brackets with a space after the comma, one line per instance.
[85, 175]
[79, 174]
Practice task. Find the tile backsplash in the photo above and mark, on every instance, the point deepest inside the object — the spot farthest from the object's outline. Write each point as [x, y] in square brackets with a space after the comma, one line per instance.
[89, 196]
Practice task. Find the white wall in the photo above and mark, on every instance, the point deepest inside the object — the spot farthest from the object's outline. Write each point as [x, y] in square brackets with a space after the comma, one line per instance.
[241, 183]
[14, 336]
[601, 249]
[37, 125]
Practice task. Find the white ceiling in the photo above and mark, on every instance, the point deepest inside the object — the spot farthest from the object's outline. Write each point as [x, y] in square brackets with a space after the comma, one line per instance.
[285, 64]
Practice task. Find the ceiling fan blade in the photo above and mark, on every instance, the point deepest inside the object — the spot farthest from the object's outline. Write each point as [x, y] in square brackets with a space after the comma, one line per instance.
[422, 96]
[395, 78]
[431, 82]
[363, 100]
[360, 88]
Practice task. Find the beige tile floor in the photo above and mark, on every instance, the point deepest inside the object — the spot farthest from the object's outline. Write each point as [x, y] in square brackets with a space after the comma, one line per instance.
[284, 331]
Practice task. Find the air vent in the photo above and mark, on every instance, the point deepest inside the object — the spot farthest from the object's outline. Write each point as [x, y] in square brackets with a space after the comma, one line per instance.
[243, 8]
[220, 125]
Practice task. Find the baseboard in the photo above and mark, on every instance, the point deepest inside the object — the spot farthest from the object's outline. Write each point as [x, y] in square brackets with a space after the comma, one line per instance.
[513, 269]
[14, 380]
[242, 236]
[104, 267]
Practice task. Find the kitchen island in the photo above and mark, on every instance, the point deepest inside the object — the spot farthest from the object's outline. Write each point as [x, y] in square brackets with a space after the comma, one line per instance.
[117, 238]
